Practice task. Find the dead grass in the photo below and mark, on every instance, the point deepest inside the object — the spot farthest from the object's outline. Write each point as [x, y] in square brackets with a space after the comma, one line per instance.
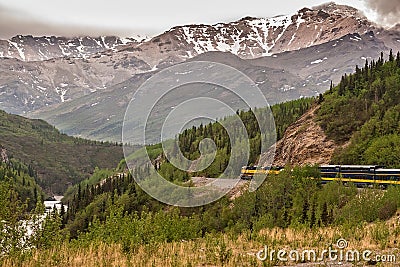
[217, 250]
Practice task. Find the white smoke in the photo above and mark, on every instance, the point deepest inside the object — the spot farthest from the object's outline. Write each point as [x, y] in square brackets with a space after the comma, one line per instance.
[387, 10]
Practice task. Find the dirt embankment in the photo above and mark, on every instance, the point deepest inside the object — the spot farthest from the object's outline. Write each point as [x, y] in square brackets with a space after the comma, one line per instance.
[304, 142]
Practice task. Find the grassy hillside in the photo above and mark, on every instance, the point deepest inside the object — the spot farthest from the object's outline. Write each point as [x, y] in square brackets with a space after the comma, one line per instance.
[57, 159]
[364, 111]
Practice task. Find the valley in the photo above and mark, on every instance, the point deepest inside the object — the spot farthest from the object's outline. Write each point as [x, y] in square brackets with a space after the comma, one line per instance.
[315, 105]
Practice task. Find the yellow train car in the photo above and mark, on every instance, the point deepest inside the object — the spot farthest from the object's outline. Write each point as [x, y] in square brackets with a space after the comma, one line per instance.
[360, 175]
[248, 172]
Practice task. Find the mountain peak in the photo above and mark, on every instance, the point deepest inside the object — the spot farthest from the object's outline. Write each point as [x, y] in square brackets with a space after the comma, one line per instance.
[323, 11]
[333, 8]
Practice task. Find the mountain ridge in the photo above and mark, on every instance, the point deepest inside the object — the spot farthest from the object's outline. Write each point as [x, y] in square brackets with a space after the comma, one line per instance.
[33, 48]
[251, 37]
[248, 37]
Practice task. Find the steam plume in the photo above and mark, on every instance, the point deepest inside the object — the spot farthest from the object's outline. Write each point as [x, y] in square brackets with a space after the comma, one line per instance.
[388, 10]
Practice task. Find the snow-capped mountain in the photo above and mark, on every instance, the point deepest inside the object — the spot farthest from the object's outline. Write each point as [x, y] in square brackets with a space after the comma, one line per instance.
[247, 38]
[29, 48]
[256, 37]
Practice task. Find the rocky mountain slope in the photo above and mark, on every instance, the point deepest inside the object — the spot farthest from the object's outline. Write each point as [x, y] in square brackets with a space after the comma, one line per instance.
[81, 66]
[28, 86]
[100, 115]
[256, 37]
[304, 143]
[247, 38]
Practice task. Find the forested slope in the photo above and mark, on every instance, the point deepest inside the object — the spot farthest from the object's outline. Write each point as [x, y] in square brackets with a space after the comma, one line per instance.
[363, 111]
[57, 159]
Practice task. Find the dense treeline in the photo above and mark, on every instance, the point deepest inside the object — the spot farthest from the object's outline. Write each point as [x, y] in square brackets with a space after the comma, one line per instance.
[284, 114]
[95, 201]
[287, 113]
[97, 177]
[117, 211]
[19, 195]
[20, 181]
[365, 110]
[191, 142]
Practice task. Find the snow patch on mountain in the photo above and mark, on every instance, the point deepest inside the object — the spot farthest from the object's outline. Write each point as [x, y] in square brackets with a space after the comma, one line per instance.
[29, 48]
[19, 49]
[318, 61]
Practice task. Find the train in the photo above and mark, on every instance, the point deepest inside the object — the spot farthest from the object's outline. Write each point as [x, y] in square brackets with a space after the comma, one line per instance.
[360, 175]
[248, 172]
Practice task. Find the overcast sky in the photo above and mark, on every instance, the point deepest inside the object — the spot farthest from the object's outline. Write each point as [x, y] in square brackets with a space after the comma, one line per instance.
[128, 17]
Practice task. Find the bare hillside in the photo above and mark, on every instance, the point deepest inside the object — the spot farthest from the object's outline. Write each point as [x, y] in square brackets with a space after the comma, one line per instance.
[304, 143]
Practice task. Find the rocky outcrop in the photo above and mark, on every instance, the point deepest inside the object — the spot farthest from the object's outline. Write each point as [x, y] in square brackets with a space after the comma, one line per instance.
[304, 143]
